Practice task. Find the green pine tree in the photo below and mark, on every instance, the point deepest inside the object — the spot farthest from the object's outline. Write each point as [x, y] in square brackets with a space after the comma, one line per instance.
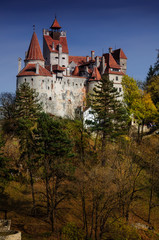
[27, 110]
[53, 147]
[109, 113]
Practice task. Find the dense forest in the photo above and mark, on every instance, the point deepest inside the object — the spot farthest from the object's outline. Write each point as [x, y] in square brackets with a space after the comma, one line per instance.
[78, 179]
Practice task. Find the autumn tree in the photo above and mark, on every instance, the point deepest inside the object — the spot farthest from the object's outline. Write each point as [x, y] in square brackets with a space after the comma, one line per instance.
[139, 103]
[110, 116]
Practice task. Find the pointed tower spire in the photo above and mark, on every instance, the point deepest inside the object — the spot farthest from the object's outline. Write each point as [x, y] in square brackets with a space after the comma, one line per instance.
[34, 53]
[55, 24]
[95, 74]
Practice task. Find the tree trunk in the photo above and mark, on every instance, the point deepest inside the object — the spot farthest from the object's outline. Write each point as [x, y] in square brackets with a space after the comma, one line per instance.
[32, 191]
[150, 200]
[85, 226]
[46, 182]
[103, 149]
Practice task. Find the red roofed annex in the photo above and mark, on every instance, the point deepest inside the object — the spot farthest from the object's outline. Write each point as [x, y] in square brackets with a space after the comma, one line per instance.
[64, 81]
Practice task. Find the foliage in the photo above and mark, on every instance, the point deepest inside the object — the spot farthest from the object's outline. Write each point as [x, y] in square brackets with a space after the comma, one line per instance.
[27, 103]
[4, 168]
[53, 148]
[72, 232]
[7, 102]
[110, 116]
[153, 89]
[120, 231]
[139, 103]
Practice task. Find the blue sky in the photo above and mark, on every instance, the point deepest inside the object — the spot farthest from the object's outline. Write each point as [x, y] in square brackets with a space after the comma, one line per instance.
[90, 25]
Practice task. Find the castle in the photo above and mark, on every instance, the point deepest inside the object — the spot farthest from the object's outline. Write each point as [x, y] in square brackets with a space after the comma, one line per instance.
[64, 81]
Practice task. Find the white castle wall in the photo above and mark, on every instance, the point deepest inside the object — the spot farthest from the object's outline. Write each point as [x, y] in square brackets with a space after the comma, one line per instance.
[60, 96]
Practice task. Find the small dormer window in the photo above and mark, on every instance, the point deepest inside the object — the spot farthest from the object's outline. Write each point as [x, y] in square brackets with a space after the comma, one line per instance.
[116, 78]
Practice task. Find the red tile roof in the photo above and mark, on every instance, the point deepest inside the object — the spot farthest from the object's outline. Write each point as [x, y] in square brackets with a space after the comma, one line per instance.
[110, 61]
[118, 53]
[34, 51]
[62, 41]
[76, 71]
[114, 72]
[55, 24]
[30, 70]
[77, 59]
[95, 75]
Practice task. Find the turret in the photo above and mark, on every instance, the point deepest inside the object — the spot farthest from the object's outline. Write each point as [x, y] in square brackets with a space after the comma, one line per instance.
[34, 54]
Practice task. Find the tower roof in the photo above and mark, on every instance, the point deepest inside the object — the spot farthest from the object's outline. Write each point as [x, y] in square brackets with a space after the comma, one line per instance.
[118, 53]
[55, 24]
[34, 51]
[95, 74]
[76, 71]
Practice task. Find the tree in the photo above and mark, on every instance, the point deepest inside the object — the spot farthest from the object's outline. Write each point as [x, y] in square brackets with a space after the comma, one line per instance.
[7, 102]
[4, 169]
[27, 109]
[7, 110]
[139, 104]
[53, 146]
[110, 114]
[152, 82]
[153, 89]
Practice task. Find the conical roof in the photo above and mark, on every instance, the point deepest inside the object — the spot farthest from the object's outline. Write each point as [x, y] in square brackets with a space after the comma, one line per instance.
[55, 24]
[34, 51]
[76, 71]
[95, 74]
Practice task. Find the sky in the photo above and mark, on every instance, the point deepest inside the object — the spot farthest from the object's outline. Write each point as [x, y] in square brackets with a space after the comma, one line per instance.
[90, 25]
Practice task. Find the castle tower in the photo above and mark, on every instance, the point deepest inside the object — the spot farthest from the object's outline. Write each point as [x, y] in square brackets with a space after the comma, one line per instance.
[34, 54]
[55, 49]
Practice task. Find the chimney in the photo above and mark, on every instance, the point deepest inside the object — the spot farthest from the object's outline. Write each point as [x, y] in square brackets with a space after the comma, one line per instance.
[37, 68]
[103, 64]
[92, 55]
[53, 47]
[87, 58]
[97, 61]
[110, 50]
[19, 64]
[68, 71]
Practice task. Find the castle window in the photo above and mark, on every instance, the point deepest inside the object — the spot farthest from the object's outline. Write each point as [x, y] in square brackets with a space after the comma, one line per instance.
[42, 80]
[73, 84]
[25, 79]
[80, 84]
[50, 98]
[63, 58]
[63, 65]
[48, 88]
[116, 78]
[56, 58]
[119, 89]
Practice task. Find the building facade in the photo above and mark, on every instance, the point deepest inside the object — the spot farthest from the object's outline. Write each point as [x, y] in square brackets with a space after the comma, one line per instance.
[62, 81]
